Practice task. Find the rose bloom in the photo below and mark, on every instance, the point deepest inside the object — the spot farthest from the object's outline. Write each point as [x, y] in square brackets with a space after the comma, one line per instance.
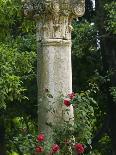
[41, 137]
[39, 149]
[55, 148]
[71, 95]
[79, 148]
[67, 102]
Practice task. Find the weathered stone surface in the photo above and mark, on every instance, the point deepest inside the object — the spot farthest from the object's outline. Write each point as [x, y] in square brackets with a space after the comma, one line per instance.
[70, 8]
[53, 18]
[55, 75]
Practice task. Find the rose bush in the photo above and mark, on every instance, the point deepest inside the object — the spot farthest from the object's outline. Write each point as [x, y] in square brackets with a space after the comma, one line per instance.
[63, 134]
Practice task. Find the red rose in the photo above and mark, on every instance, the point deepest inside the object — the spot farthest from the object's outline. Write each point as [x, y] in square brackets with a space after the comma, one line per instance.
[71, 95]
[79, 148]
[55, 148]
[67, 102]
[39, 149]
[40, 137]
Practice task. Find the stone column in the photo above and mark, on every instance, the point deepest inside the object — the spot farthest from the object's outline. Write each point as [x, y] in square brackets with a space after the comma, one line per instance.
[53, 18]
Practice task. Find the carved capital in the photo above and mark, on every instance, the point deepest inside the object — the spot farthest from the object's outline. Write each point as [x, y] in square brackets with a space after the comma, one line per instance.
[71, 8]
[54, 16]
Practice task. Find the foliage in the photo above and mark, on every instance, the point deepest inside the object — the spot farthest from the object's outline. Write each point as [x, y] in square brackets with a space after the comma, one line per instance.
[113, 93]
[12, 20]
[86, 58]
[84, 38]
[22, 137]
[84, 116]
[111, 17]
[16, 69]
[89, 64]
[12, 64]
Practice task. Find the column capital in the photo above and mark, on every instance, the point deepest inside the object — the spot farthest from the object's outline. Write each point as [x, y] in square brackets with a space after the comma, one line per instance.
[70, 8]
[53, 17]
